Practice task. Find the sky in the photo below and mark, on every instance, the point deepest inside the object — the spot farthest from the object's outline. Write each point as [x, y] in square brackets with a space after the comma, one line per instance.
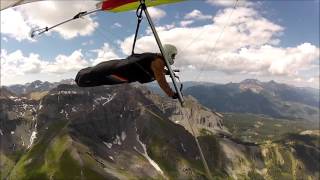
[266, 40]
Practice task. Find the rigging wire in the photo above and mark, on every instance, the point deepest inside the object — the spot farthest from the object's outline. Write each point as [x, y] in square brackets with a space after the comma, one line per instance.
[40, 31]
[203, 158]
[216, 42]
[105, 34]
[209, 176]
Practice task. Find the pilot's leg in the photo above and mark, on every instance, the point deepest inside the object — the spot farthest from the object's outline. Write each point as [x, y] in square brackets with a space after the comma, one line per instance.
[98, 75]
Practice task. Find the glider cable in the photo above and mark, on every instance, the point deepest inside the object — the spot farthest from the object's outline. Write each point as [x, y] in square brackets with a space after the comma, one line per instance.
[216, 41]
[38, 32]
[203, 159]
[139, 17]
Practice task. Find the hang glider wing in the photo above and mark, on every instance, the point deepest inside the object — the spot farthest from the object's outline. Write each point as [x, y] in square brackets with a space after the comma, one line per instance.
[11, 3]
[127, 5]
[106, 5]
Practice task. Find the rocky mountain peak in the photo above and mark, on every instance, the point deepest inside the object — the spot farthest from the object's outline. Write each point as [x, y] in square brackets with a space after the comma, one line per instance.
[5, 93]
[251, 84]
[116, 132]
[251, 81]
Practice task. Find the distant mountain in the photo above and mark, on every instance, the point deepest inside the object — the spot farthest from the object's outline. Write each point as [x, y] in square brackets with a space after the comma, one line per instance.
[154, 87]
[37, 86]
[126, 132]
[268, 98]
[5, 93]
[94, 132]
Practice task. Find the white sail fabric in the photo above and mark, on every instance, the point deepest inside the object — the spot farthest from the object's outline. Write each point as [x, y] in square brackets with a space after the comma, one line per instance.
[11, 3]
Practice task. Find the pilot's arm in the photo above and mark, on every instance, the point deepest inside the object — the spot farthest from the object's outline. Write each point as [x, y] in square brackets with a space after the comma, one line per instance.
[157, 67]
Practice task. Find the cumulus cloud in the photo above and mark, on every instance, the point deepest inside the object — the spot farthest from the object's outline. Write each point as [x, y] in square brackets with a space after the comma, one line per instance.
[63, 63]
[90, 42]
[18, 64]
[104, 54]
[14, 25]
[247, 45]
[116, 25]
[269, 60]
[5, 39]
[186, 23]
[228, 3]
[156, 13]
[18, 22]
[198, 15]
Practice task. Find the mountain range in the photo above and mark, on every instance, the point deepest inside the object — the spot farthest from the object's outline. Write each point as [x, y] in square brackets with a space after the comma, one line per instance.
[128, 132]
[267, 98]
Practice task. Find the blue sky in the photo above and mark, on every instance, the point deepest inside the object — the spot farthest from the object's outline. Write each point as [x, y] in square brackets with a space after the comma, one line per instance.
[267, 40]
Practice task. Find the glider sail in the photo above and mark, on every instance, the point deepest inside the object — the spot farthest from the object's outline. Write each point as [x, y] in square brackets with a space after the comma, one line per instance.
[11, 3]
[128, 5]
[106, 5]
[113, 6]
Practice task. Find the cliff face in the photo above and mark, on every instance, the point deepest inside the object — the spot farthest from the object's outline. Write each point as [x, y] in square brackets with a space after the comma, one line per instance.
[102, 132]
[126, 132]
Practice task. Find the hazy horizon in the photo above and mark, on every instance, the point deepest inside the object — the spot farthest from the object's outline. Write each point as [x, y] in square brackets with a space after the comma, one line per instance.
[154, 82]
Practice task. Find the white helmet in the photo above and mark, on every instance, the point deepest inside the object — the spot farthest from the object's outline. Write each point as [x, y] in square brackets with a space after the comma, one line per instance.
[170, 52]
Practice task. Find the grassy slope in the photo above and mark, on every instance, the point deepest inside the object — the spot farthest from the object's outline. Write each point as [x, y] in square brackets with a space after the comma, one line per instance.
[255, 128]
[286, 153]
[6, 164]
[51, 157]
[172, 161]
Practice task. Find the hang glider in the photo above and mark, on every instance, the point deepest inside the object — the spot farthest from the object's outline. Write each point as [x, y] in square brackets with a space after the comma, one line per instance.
[12, 3]
[106, 5]
[115, 6]
[127, 5]
[120, 6]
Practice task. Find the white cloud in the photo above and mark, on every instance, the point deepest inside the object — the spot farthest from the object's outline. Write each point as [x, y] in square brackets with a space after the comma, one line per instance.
[159, 29]
[116, 25]
[228, 3]
[270, 60]
[17, 64]
[64, 64]
[311, 80]
[5, 39]
[14, 25]
[17, 67]
[245, 46]
[156, 13]
[104, 54]
[186, 23]
[90, 42]
[17, 23]
[197, 15]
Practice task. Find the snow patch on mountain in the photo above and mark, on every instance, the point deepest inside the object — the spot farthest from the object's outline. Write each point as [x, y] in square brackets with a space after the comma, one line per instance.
[32, 138]
[145, 154]
[117, 140]
[104, 100]
[40, 105]
[123, 135]
[109, 145]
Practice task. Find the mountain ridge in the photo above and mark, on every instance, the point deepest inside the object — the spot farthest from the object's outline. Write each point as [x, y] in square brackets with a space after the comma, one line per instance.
[252, 96]
[124, 132]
